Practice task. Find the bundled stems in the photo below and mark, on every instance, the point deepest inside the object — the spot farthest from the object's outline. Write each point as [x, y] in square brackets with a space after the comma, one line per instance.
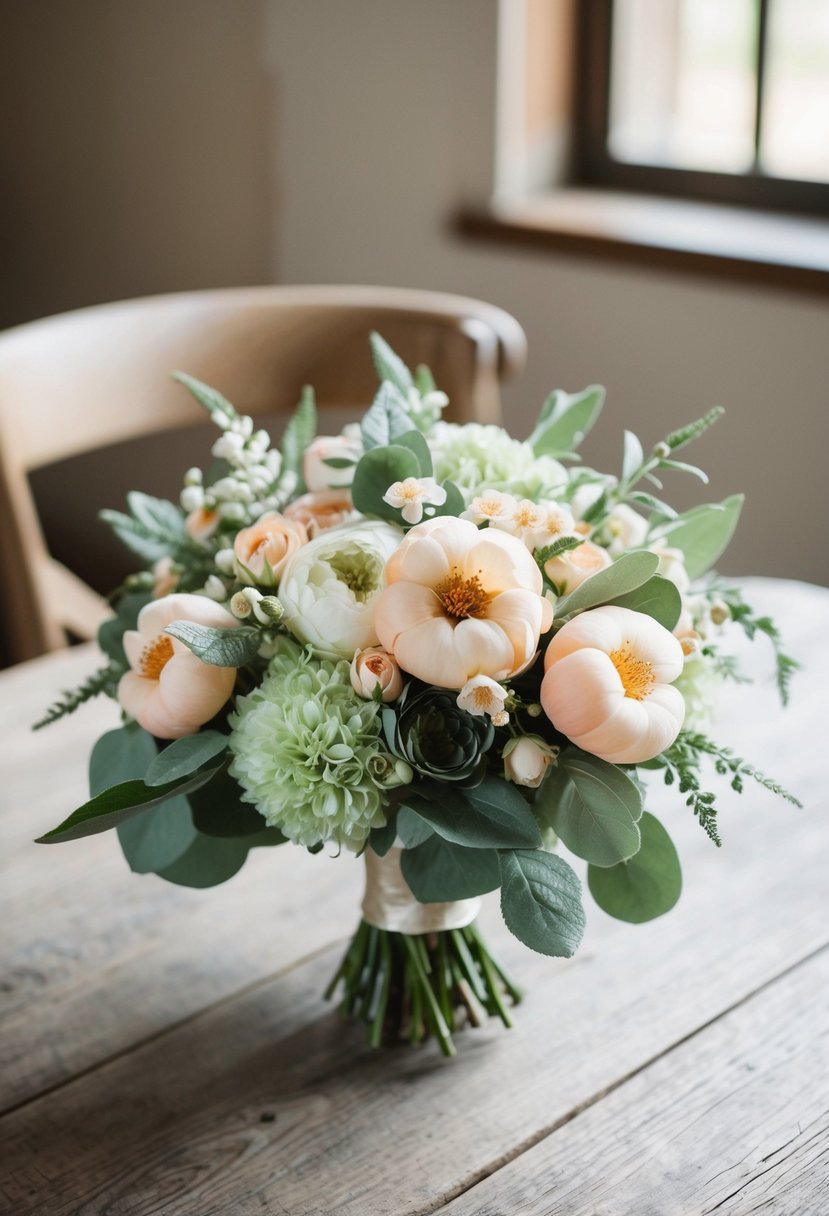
[410, 986]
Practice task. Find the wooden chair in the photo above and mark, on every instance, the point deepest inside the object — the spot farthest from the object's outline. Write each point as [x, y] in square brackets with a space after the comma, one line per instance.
[89, 379]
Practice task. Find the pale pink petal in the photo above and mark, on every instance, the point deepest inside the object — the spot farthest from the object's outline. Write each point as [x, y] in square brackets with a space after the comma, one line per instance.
[428, 651]
[420, 559]
[594, 629]
[502, 564]
[483, 648]
[400, 607]
[520, 614]
[134, 645]
[192, 690]
[580, 692]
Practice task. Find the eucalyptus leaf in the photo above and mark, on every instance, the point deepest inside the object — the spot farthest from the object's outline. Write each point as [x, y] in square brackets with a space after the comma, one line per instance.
[627, 573]
[645, 887]
[184, 756]
[158, 837]
[219, 647]
[541, 902]
[218, 809]
[414, 441]
[593, 807]
[207, 862]
[381, 839]
[300, 432]
[454, 504]
[633, 456]
[376, 471]
[653, 504]
[118, 803]
[123, 754]
[386, 418]
[492, 815]
[438, 871]
[565, 419]
[702, 533]
[658, 597]
[412, 828]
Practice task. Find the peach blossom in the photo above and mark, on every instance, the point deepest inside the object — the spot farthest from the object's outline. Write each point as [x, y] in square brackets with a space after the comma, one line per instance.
[168, 690]
[165, 577]
[321, 510]
[201, 523]
[321, 476]
[263, 549]
[608, 682]
[460, 602]
[570, 569]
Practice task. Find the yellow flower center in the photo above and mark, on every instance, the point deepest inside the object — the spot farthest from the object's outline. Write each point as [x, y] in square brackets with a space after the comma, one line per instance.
[636, 674]
[463, 597]
[526, 517]
[155, 656]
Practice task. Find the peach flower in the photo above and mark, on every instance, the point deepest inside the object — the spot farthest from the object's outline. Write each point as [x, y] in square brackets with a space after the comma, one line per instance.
[571, 568]
[168, 690]
[608, 684]
[373, 668]
[461, 603]
[263, 549]
[165, 577]
[201, 523]
[321, 510]
[321, 476]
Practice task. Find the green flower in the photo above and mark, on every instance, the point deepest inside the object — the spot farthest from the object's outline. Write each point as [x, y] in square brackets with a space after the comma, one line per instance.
[477, 458]
[305, 751]
[430, 732]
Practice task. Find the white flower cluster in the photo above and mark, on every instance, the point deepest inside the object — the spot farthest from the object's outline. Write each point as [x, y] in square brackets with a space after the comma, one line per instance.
[250, 487]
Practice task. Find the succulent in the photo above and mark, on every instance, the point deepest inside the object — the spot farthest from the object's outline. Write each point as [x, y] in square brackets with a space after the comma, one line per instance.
[428, 730]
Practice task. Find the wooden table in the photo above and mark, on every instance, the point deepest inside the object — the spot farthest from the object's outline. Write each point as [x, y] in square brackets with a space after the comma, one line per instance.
[168, 1051]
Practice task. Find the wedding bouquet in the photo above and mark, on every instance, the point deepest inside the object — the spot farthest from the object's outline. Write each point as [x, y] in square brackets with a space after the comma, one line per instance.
[430, 645]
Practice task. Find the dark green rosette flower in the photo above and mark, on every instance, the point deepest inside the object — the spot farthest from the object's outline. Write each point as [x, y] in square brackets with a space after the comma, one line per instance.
[428, 730]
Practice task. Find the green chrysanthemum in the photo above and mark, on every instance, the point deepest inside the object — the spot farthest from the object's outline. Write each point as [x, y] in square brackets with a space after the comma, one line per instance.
[477, 457]
[304, 747]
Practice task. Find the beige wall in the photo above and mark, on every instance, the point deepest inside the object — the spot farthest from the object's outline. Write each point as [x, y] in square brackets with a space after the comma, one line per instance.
[386, 114]
[135, 149]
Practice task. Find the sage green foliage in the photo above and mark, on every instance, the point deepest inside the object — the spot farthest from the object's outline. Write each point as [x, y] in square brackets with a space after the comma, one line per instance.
[430, 732]
[657, 597]
[218, 647]
[702, 533]
[743, 615]
[438, 870]
[646, 886]
[406, 456]
[299, 434]
[210, 398]
[390, 367]
[593, 806]
[541, 901]
[491, 815]
[184, 756]
[386, 418]
[153, 528]
[104, 680]
[565, 419]
[626, 574]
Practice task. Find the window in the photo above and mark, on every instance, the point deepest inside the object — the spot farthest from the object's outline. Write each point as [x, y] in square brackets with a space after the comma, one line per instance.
[716, 99]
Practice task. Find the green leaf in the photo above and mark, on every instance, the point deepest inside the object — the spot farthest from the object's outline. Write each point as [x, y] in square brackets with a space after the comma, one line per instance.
[424, 380]
[219, 647]
[386, 419]
[592, 806]
[454, 505]
[300, 432]
[414, 441]
[389, 366]
[438, 871]
[702, 533]
[210, 398]
[218, 810]
[680, 466]
[633, 458]
[111, 632]
[183, 756]
[653, 504]
[565, 420]
[541, 902]
[120, 755]
[156, 514]
[381, 839]
[645, 887]
[376, 471]
[493, 815]
[158, 837]
[207, 862]
[563, 545]
[118, 803]
[658, 597]
[627, 573]
[412, 828]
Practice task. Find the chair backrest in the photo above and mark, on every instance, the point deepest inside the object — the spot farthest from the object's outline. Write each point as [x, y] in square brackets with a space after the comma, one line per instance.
[95, 377]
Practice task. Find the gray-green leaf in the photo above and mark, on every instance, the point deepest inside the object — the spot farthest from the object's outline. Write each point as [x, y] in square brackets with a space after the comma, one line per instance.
[541, 902]
[184, 756]
[702, 533]
[593, 806]
[438, 871]
[565, 419]
[627, 573]
[219, 647]
[645, 887]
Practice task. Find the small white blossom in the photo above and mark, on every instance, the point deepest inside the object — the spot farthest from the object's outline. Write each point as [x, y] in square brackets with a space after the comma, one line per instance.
[192, 498]
[411, 495]
[225, 561]
[193, 477]
[527, 521]
[482, 695]
[215, 589]
[490, 505]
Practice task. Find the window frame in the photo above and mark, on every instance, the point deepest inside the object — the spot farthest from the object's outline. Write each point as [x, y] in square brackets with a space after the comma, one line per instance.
[594, 166]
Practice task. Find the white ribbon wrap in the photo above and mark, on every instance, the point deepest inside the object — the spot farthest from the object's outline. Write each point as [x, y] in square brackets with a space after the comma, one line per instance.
[389, 904]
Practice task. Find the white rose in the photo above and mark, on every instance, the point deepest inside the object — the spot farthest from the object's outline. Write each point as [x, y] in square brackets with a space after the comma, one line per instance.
[321, 476]
[626, 528]
[329, 587]
[527, 759]
[672, 565]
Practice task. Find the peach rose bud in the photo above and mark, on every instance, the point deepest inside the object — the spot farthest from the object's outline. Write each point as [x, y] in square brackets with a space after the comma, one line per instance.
[321, 476]
[321, 510]
[375, 668]
[527, 759]
[262, 550]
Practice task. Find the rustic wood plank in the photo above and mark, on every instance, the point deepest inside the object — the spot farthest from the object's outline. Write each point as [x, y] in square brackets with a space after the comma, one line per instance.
[735, 1120]
[144, 1132]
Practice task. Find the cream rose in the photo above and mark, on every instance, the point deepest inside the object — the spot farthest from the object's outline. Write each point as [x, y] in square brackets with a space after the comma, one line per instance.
[527, 759]
[321, 510]
[374, 668]
[570, 569]
[262, 550]
[168, 690]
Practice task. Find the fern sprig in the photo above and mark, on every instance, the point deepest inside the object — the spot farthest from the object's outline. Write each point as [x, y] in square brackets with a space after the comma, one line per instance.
[104, 680]
[743, 614]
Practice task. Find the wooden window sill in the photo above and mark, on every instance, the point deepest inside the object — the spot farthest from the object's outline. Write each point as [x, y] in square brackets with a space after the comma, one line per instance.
[709, 239]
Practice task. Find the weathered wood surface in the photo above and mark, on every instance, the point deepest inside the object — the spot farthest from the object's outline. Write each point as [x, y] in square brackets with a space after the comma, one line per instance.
[168, 1024]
